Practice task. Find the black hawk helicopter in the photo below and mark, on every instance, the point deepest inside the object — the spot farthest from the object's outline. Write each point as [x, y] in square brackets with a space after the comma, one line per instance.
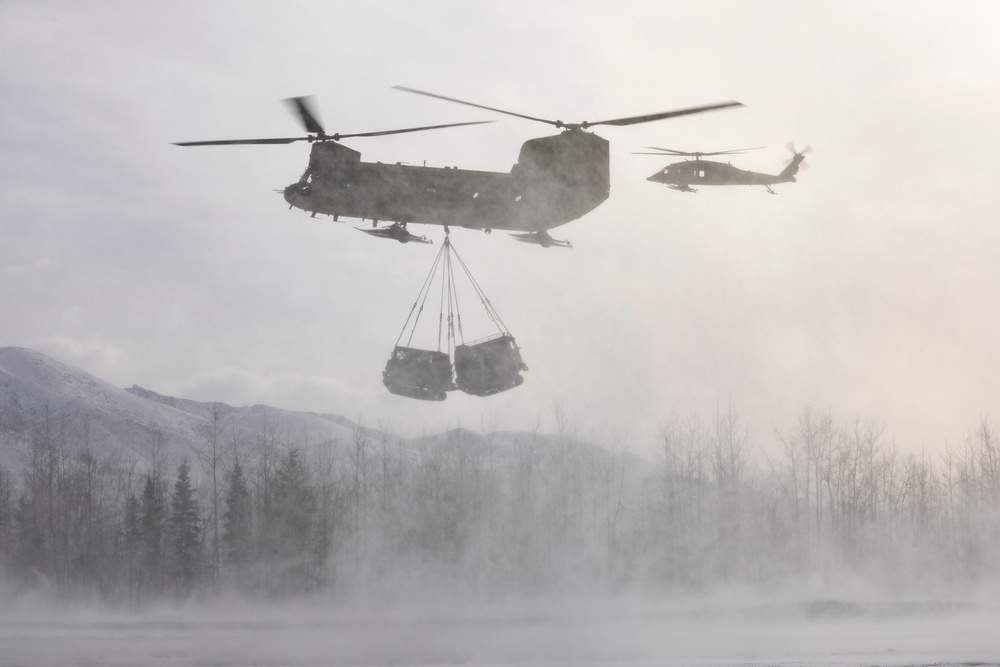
[682, 175]
[557, 179]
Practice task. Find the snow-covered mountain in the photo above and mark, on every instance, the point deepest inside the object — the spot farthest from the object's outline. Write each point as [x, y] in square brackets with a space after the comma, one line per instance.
[43, 397]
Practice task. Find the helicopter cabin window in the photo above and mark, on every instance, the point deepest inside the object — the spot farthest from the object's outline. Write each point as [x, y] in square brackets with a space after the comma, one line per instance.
[701, 173]
[475, 195]
[517, 198]
[429, 189]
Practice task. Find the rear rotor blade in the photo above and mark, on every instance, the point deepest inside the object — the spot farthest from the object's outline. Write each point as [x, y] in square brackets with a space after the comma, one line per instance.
[633, 120]
[302, 107]
[383, 133]
[478, 106]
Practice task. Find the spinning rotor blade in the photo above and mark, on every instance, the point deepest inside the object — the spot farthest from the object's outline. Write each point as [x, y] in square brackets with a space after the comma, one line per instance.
[301, 105]
[337, 137]
[632, 120]
[671, 151]
[805, 149]
[233, 142]
[803, 165]
[323, 137]
[303, 108]
[478, 106]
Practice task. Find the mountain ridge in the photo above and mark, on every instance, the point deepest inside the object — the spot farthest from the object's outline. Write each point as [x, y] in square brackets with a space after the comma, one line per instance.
[40, 393]
[44, 398]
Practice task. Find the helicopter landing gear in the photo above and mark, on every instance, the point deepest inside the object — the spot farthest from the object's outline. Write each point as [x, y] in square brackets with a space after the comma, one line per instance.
[542, 238]
[487, 231]
[396, 231]
[769, 190]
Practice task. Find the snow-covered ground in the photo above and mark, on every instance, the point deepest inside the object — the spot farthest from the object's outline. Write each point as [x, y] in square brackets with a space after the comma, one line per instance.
[814, 633]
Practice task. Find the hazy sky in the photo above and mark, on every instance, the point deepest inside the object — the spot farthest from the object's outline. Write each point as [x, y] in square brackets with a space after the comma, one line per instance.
[870, 286]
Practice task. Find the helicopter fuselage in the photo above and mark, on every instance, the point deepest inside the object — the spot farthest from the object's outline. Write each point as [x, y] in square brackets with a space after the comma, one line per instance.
[708, 172]
[556, 180]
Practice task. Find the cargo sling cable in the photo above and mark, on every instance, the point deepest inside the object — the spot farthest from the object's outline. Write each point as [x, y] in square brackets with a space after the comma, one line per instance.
[483, 367]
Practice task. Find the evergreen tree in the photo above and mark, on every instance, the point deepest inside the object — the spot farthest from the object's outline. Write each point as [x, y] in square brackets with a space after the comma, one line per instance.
[295, 511]
[185, 532]
[236, 536]
[152, 517]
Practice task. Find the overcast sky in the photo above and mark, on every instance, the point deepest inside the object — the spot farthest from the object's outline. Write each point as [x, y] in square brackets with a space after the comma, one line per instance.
[869, 287]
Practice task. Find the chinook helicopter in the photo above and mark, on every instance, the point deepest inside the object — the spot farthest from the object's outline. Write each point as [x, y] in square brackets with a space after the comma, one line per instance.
[557, 179]
[682, 175]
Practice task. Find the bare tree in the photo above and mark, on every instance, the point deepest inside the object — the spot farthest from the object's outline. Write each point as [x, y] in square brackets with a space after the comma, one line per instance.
[211, 454]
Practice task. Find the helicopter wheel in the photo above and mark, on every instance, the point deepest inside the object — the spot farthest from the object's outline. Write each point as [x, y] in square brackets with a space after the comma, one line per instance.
[487, 231]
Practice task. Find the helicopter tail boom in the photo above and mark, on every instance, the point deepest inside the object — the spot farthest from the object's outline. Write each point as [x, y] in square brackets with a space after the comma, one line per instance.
[788, 173]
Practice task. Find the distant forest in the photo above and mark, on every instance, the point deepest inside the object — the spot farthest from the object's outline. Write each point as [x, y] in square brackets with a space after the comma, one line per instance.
[383, 518]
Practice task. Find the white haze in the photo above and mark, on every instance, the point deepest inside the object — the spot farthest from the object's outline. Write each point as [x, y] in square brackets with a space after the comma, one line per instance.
[734, 629]
[864, 287]
[867, 290]
[519, 550]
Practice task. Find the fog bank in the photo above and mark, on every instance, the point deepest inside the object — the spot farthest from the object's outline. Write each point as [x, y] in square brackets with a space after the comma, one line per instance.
[727, 629]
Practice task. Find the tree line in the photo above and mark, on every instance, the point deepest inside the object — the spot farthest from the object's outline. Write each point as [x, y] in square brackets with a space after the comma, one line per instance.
[270, 515]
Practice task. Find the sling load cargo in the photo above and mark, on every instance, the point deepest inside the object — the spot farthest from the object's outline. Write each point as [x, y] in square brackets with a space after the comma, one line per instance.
[483, 367]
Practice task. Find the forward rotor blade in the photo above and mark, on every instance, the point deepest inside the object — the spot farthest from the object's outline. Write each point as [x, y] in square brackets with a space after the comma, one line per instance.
[409, 129]
[233, 142]
[322, 137]
[477, 106]
[633, 120]
[301, 106]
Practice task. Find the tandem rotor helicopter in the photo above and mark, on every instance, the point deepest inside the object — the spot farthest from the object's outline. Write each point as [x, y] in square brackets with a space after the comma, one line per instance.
[557, 179]
[682, 175]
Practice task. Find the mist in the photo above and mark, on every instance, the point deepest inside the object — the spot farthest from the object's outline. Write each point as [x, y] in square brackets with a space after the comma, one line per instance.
[497, 548]
[591, 632]
[689, 499]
